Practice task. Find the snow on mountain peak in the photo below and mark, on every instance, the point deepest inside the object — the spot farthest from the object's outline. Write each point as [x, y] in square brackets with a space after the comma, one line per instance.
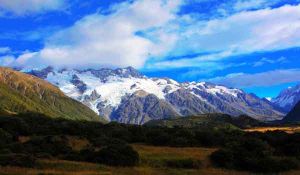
[104, 91]
[288, 98]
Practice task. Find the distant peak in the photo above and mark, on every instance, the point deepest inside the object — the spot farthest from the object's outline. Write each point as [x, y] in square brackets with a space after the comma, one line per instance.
[121, 72]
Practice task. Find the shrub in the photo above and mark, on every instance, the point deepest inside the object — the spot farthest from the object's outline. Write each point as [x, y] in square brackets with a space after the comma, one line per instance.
[14, 125]
[20, 160]
[223, 158]
[51, 145]
[5, 138]
[205, 138]
[158, 137]
[117, 155]
[251, 155]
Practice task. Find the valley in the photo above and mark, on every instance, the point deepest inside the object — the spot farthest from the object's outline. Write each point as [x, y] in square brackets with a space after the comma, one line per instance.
[153, 160]
[149, 87]
[34, 144]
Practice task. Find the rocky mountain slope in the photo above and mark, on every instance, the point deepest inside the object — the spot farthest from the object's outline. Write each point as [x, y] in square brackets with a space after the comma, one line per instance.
[288, 98]
[126, 96]
[294, 115]
[21, 93]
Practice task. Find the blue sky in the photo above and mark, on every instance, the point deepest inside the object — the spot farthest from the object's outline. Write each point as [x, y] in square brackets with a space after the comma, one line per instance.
[248, 44]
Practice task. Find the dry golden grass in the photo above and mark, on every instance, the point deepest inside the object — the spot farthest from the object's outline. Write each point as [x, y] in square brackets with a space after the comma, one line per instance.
[265, 129]
[32, 83]
[61, 167]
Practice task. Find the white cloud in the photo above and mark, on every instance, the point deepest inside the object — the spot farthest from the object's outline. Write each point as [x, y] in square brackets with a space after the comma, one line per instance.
[25, 7]
[242, 33]
[6, 60]
[111, 40]
[4, 50]
[241, 5]
[264, 61]
[269, 78]
[200, 61]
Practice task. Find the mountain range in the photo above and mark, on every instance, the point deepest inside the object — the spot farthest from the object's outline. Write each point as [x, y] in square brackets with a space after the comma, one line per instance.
[288, 98]
[127, 96]
[23, 93]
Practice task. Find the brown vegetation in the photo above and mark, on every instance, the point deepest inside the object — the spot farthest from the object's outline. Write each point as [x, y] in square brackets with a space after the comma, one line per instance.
[149, 154]
[288, 129]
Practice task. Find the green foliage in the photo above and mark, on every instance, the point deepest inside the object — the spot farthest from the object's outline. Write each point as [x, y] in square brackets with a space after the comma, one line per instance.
[14, 125]
[5, 138]
[208, 121]
[51, 145]
[117, 155]
[251, 155]
[277, 151]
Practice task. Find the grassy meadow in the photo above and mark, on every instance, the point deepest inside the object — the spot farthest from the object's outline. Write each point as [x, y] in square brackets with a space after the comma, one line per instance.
[37, 145]
[152, 161]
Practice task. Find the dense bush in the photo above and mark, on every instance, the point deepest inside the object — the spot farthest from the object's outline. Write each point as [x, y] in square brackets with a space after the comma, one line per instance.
[252, 155]
[14, 125]
[51, 145]
[158, 137]
[17, 160]
[260, 152]
[5, 138]
[117, 155]
[113, 152]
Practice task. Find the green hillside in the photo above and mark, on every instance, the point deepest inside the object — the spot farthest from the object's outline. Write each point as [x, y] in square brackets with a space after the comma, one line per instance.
[208, 121]
[21, 93]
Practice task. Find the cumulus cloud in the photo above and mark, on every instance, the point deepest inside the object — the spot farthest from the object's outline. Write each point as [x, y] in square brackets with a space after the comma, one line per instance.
[25, 7]
[131, 35]
[111, 40]
[241, 33]
[270, 78]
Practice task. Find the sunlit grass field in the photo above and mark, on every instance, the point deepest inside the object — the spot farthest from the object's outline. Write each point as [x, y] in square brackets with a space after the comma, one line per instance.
[151, 163]
[288, 129]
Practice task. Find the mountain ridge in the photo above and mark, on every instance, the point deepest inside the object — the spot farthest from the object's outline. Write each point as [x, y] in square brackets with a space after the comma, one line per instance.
[294, 115]
[21, 93]
[288, 98]
[104, 91]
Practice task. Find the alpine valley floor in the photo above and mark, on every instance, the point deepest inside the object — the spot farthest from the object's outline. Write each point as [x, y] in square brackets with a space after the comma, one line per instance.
[152, 159]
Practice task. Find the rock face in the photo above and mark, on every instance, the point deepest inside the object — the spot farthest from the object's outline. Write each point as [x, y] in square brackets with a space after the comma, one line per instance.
[127, 96]
[294, 115]
[288, 98]
[141, 107]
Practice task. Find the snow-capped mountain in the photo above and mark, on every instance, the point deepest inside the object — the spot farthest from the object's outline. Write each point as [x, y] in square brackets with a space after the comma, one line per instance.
[288, 98]
[126, 96]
